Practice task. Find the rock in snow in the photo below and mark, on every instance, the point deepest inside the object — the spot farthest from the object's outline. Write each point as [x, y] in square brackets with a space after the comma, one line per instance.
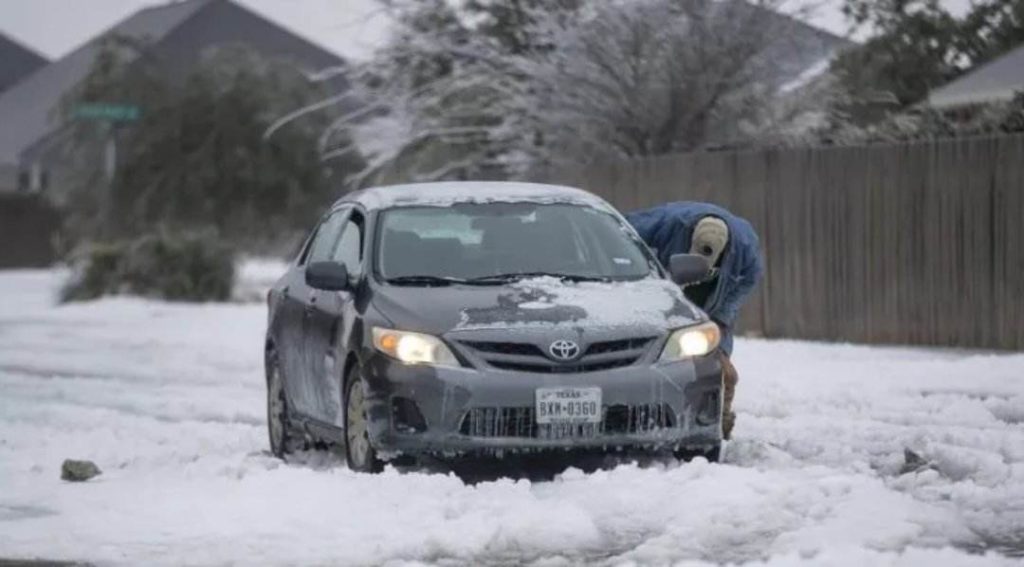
[912, 463]
[78, 471]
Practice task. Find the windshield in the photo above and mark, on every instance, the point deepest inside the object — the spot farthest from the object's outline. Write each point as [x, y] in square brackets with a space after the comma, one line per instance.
[497, 241]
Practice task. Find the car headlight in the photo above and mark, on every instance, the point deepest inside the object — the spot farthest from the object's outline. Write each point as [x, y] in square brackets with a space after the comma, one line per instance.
[689, 342]
[413, 348]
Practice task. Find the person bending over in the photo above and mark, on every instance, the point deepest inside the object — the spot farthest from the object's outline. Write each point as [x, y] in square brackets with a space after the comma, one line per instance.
[733, 251]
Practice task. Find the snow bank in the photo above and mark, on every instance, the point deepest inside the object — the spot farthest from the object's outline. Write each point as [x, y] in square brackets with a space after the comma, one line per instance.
[255, 276]
[168, 400]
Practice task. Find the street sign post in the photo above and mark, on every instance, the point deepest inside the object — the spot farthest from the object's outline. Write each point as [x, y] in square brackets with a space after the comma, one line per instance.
[114, 115]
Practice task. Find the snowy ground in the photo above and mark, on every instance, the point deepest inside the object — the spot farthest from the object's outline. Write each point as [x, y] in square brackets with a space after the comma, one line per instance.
[169, 401]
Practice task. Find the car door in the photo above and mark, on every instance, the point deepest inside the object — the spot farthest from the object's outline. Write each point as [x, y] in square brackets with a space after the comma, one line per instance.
[304, 393]
[328, 321]
[288, 316]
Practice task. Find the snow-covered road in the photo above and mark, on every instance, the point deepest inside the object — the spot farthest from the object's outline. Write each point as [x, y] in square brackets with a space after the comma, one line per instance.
[169, 401]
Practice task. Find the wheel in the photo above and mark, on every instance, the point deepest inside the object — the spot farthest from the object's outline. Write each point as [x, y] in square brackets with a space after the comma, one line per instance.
[278, 425]
[712, 454]
[360, 455]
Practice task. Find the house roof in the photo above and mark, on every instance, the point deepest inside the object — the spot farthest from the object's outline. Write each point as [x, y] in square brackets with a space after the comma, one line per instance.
[27, 109]
[16, 62]
[996, 80]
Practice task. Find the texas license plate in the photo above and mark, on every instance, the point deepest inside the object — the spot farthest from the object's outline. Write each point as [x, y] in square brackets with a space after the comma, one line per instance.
[568, 405]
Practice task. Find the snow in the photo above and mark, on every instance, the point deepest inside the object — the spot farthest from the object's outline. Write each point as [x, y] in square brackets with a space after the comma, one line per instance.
[804, 78]
[255, 276]
[168, 399]
[650, 303]
[378, 136]
[444, 194]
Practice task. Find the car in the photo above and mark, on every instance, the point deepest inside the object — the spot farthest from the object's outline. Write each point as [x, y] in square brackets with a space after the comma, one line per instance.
[480, 318]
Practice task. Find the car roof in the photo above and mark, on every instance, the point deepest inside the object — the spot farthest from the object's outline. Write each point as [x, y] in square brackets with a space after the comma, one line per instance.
[446, 193]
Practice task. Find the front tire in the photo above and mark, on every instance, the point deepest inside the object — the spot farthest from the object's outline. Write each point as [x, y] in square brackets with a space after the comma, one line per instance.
[359, 453]
[278, 424]
[713, 454]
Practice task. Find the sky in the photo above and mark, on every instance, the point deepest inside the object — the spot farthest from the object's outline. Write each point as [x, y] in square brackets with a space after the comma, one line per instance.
[350, 28]
[54, 27]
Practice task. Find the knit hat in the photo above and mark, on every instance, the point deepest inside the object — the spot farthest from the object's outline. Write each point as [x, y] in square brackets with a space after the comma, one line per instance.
[709, 238]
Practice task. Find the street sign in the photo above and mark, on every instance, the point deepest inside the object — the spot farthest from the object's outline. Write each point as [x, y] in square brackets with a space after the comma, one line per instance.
[108, 112]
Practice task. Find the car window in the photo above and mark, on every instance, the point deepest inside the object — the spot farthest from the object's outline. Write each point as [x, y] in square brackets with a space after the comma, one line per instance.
[475, 240]
[322, 247]
[440, 223]
[349, 250]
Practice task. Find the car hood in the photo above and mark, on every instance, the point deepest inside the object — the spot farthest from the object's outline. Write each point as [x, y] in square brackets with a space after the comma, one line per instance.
[650, 305]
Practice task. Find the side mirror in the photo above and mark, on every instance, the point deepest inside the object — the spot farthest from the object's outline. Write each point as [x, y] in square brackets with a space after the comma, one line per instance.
[688, 269]
[327, 276]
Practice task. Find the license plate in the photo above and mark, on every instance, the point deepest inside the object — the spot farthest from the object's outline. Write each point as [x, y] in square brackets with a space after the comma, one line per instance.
[568, 405]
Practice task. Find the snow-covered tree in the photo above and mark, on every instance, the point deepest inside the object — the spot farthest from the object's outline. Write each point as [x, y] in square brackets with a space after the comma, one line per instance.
[195, 157]
[492, 88]
[651, 77]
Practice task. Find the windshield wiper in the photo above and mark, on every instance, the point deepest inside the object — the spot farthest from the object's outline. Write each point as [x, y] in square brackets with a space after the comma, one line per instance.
[501, 278]
[424, 280]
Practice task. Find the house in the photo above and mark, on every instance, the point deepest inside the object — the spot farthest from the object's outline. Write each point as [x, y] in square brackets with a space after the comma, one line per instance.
[176, 33]
[32, 171]
[996, 81]
[16, 62]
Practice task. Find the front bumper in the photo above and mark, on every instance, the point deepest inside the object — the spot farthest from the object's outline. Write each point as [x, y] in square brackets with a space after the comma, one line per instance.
[467, 410]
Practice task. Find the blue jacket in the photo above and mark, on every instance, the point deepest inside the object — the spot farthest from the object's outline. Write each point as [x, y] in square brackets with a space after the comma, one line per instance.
[668, 228]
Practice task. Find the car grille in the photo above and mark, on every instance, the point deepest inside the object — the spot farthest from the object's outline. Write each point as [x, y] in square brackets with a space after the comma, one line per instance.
[527, 357]
[518, 422]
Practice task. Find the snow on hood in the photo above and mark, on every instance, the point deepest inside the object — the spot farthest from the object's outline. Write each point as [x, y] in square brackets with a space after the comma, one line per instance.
[650, 303]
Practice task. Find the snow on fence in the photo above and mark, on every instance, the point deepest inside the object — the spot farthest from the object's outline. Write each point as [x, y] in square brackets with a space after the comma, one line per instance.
[919, 243]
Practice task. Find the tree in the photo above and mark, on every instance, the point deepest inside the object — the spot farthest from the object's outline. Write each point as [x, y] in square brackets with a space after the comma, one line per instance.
[929, 124]
[911, 53]
[917, 45]
[990, 29]
[197, 156]
[650, 78]
[497, 87]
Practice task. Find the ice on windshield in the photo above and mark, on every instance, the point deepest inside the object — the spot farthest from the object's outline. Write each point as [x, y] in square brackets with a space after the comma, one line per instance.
[472, 240]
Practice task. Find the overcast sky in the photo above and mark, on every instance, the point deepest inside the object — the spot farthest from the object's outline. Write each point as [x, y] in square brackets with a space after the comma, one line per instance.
[55, 27]
[348, 27]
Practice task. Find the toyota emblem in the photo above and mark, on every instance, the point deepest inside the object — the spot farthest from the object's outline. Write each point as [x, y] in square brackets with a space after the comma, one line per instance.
[564, 350]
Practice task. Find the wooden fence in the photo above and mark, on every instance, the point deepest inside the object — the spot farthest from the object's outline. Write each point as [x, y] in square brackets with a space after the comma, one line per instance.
[918, 243]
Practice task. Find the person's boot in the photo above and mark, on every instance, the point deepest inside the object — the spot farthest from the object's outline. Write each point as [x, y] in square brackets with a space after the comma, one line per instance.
[729, 379]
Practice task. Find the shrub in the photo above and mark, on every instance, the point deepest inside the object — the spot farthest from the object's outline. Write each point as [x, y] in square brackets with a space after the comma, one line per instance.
[188, 266]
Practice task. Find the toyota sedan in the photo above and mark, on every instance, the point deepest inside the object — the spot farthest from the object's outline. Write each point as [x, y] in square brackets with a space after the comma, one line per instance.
[478, 318]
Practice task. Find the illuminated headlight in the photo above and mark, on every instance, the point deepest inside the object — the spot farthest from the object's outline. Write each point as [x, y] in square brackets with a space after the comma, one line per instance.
[689, 342]
[413, 348]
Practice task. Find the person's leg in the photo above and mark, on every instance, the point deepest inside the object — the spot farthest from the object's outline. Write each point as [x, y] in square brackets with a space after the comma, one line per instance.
[729, 379]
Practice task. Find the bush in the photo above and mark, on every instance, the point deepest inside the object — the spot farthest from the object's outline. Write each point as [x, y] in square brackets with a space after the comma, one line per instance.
[189, 266]
[924, 123]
